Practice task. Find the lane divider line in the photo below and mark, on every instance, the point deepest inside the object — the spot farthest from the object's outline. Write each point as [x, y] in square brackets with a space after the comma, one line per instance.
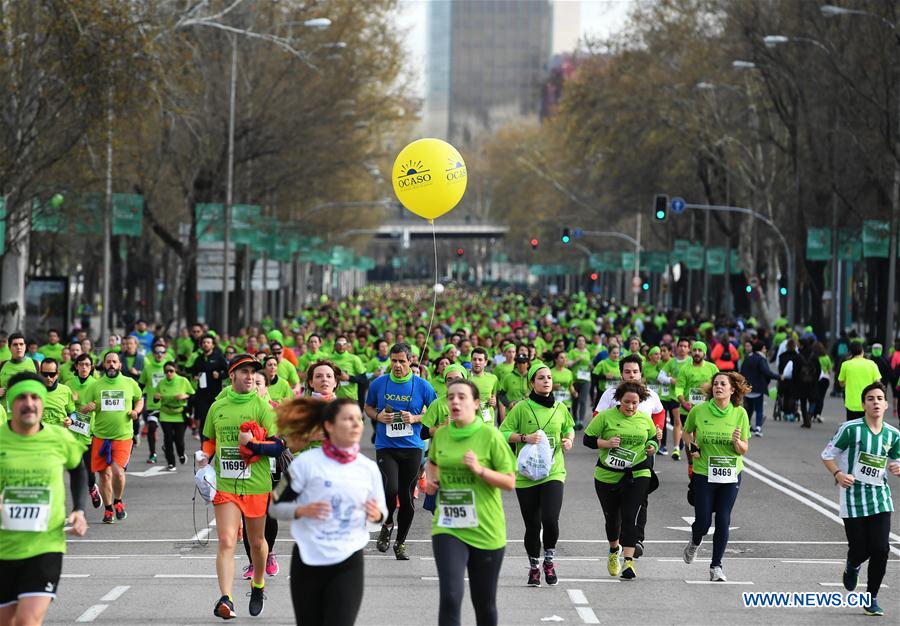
[115, 593]
[577, 596]
[92, 613]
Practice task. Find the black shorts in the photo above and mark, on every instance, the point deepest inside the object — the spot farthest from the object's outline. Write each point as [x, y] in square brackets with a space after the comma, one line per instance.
[668, 405]
[37, 576]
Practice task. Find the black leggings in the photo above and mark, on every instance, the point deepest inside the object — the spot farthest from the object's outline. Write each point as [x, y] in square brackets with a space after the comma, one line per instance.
[327, 595]
[540, 506]
[453, 558]
[621, 505]
[399, 473]
[173, 436]
[86, 459]
[868, 539]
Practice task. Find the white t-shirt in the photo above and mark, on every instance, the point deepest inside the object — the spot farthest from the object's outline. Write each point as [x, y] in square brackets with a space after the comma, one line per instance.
[651, 406]
[347, 487]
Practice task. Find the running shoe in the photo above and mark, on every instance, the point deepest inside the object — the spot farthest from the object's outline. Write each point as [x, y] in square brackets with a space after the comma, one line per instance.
[717, 574]
[873, 610]
[628, 572]
[612, 562]
[248, 572]
[638, 549]
[272, 567]
[550, 573]
[676, 454]
[181, 459]
[534, 577]
[151, 460]
[224, 608]
[662, 451]
[170, 468]
[108, 517]
[120, 510]
[256, 600]
[96, 498]
[400, 552]
[851, 576]
[384, 538]
[690, 552]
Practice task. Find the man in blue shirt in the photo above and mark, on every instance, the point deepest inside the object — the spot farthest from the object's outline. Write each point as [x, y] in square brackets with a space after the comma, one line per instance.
[397, 401]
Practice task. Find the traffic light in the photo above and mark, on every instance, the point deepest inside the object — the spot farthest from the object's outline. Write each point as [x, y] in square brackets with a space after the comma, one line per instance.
[749, 288]
[566, 235]
[783, 291]
[661, 208]
[460, 252]
[646, 286]
[534, 244]
[594, 276]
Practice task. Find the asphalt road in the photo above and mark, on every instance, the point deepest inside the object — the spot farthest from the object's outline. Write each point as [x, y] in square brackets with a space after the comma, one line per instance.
[157, 567]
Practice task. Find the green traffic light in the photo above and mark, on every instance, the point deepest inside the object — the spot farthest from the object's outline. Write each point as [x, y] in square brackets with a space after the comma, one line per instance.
[749, 289]
[660, 215]
[646, 286]
[565, 239]
[783, 291]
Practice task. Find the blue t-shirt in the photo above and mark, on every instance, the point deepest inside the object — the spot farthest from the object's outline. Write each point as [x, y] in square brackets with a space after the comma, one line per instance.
[413, 396]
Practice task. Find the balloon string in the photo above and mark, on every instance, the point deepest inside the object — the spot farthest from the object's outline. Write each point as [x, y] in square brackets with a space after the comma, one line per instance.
[433, 286]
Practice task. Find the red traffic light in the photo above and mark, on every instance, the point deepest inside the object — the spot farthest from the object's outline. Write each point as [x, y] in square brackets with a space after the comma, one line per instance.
[594, 276]
[534, 244]
[460, 252]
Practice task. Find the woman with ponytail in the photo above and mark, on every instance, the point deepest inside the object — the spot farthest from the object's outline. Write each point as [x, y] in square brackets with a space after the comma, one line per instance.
[330, 495]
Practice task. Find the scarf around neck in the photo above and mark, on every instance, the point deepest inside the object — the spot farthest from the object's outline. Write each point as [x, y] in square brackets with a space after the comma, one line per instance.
[545, 401]
[341, 455]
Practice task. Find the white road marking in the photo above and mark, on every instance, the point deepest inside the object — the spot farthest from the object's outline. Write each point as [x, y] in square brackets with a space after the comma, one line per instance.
[115, 593]
[589, 580]
[75, 575]
[587, 615]
[577, 596]
[153, 471]
[813, 561]
[186, 576]
[842, 584]
[92, 612]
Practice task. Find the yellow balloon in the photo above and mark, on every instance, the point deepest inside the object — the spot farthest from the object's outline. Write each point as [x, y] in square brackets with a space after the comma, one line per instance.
[429, 177]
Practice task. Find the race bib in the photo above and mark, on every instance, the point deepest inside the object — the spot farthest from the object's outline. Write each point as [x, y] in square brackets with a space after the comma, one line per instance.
[561, 395]
[25, 509]
[612, 383]
[584, 375]
[201, 382]
[399, 428]
[112, 400]
[869, 468]
[155, 379]
[620, 458]
[81, 424]
[457, 508]
[272, 464]
[695, 396]
[344, 383]
[722, 469]
[663, 390]
[655, 387]
[231, 465]
[486, 414]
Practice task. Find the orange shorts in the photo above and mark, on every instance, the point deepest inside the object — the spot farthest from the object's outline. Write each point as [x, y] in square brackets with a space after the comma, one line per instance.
[250, 504]
[121, 453]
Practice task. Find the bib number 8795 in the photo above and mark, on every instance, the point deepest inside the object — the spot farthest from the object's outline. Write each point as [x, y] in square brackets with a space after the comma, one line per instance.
[455, 511]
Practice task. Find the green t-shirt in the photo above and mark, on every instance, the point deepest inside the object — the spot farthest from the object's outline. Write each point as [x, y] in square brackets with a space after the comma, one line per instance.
[223, 423]
[712, 434]
[31, 474]
[515, 386]
[603, 369]
[564, 378]
[304, 361]
[351, 365]
[856, 374]
[151, 376]
[376, 367]
[67, 372]
[11, 368]
[502, 370]
[5, 354]
[52, 351]
[114, 398]
[467, 507]
[651, 374]
[437, 413]
[691, 379]
[581, 364]
[636, 433]
[170, 408]
[288, 372]
[280, 390]
[529, 417]
[488, 385]
[58, 405]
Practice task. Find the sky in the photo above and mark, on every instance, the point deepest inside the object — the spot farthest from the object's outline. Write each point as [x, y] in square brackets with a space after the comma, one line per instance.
[596, 17]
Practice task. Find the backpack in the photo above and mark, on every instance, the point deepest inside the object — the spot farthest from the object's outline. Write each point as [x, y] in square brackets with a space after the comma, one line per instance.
[726, 352]
[808, 374]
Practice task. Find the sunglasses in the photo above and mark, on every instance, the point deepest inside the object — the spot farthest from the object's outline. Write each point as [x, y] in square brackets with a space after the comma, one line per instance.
[159, 352]
[50, 374]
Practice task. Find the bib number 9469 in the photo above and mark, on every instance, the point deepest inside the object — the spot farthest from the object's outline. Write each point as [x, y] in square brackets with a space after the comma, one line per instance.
[722, 469]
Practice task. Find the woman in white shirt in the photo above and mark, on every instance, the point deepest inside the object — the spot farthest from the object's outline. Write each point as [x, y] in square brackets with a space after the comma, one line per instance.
[330, 494]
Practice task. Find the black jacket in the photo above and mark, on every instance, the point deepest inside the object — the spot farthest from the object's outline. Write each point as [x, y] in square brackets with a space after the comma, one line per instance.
[756, 370]
[215, 362]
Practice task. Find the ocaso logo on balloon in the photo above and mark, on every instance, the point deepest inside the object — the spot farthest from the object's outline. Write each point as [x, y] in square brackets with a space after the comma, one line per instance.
[413, 176]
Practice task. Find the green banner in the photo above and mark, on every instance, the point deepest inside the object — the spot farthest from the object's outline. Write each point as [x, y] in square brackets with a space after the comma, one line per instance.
[680, 250]
[694, 258]
[127, 214]
[243, 225]
[628, 261]
[715, 261]
[90, 214]
[46, 219]
[818, 244]
[655, 261]
[850, 244]
[210, 217]
[735, 265]
[876, 238]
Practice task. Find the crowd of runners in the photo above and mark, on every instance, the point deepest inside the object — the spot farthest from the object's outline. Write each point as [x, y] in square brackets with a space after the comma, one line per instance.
[487, 393]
